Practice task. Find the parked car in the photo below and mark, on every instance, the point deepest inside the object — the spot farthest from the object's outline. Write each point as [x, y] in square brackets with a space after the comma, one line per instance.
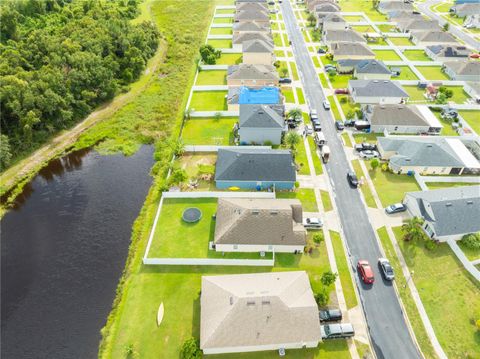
[339, 125]
[352, 179]
[369, 154]
[312, 223]
[321, 51]
[349, 123]
[341, 91]
[316, 126]
[365, 146]
[396, 208]
[330, 315]
[326, 105]
[386, 269]
[334, 331]
[285, 80]
[313, 115]
[292, 124]
[475, 56]
[365, 271]
[308, 129]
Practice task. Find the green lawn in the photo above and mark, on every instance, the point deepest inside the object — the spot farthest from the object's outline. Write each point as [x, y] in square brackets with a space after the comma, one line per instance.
[346, 140]
[209, 101]
[450, 296]
[366, 137]
[326, 61]
[415, 94]
[442, 7]
[223, 20]
[221, 31]
[316, 159]
[376, 41]
[367, 193]
[363, 28]
[175, 238]
[279, 53]
[439, 185]
[220, 43]
[340, 81]
[353, 18]
[416, 55]
[316, 63]
[343, 270]
[405, 74]
[301, 98]
[405, 295]
[362, 6]
[229, 59]
[288, 93]
[401, 41]
[472, 118]
[390, 187]
[305, 195]
[285, 39]
[334, 108]
[323, 80]
[347, 106]
[301, 159]
[472, 254]
[277, 39]
[433, 72]
[282, 65]
[447, 129]
[327, 202]
[386, 28]
[386, 55]
[225, 11]
[459, 94]
[209, 131]
[294, 71]
[212, 77]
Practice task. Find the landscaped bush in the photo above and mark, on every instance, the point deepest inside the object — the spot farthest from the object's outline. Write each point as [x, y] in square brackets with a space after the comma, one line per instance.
[190, 349]
[471, 241]
[209, 54]
[322, 298]
[318, 238]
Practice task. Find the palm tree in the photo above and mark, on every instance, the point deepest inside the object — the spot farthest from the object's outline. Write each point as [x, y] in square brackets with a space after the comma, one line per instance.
[295, 114]
[178, 147]
[412, 229]
[284, 71]
[312, 20]
[292, 139]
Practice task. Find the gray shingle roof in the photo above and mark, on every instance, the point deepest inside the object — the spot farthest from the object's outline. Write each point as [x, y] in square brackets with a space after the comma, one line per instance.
[252, 72]
[449, 51]
[372, 67]
[251, 15]
[258, 46]
[350, 48]
[247, 36]
[252, 7]
[425, 152]
[377, 88]
[451, 211]
[260, 309]
[395, 5]
[396, 115]
[259, 222]
[247, 164]
[250, 26]
[260, 116]
[418, 24]
[434, 36]
[347, 35]
[327, 7]
[464, 68]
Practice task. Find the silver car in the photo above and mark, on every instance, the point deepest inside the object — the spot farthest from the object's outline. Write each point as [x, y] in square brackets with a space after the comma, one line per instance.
[312, 223]
[369, 154]
[386, 269]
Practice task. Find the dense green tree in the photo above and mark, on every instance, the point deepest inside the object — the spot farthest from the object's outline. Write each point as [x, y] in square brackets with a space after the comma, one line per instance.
[328, 278]
[412, 229]
[209, 54]
[190, 349]
[5, 154]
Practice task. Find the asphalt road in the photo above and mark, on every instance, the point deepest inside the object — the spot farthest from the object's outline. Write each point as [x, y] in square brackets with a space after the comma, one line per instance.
[425, 8]
[388, 330]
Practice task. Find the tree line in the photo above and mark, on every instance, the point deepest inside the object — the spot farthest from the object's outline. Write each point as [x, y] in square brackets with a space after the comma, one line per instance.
[59, 59]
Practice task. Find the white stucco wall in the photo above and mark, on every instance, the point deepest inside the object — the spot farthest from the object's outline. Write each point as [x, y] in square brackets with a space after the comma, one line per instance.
[258, 58]
[260, 135]
[259, 348]
[399, 129]
[258, 248]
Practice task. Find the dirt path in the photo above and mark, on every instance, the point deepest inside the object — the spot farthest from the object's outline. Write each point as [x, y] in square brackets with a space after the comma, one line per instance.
[30, 165]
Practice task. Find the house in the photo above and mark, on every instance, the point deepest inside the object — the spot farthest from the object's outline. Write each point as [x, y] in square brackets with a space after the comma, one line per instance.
[472, 88]
[346, 35]
[371, 70]
[257, 52]
[411, 119]
[448, 213]
[463, 10]
[399, 15]
[377, 92]
[331, 21]
[261, 123]
[252, 6]
[259, 225]
[238, 40]
[463, 70]
[258, 312]
[239, 2]
[311, 5]
[409, 25]
[428, 155]
[386, 6]
[426, 38]
[253, 96]
[444, 53]
[253, 168]
[252, 75]
[250, 26]
[259, 17]
[351, 51]
[326, 7]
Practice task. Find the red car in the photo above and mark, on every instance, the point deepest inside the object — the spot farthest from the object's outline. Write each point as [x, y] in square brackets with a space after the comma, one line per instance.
[475, 56]
[365, 271]
[341, 91]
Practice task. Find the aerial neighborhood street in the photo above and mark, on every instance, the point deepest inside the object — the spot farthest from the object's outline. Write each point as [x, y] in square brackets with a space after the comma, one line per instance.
[319, 193]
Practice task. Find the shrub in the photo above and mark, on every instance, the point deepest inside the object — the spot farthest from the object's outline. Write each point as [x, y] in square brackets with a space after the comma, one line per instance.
[177, 176]
[430, 245]
[318, 238]
[209, 54]
[343, 100]
[384, 167]
[130, 351]
[268, 143]
[297, 184]
[471, 241]
[190, 349]
[374, 163]
[322, 298]
[328, 278]
[217, 116]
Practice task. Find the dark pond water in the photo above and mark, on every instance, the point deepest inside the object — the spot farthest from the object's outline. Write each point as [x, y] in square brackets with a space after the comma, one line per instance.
[63, 249]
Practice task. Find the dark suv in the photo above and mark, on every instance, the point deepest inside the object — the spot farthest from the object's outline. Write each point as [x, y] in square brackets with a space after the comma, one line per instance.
[330, 315]
[352, 179]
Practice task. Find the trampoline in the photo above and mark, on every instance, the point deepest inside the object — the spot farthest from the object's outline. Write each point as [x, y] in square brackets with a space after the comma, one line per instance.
[192, 215]
[263, 96]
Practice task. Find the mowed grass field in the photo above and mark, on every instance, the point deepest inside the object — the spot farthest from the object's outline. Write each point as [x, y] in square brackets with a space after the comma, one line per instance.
[209, 131]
